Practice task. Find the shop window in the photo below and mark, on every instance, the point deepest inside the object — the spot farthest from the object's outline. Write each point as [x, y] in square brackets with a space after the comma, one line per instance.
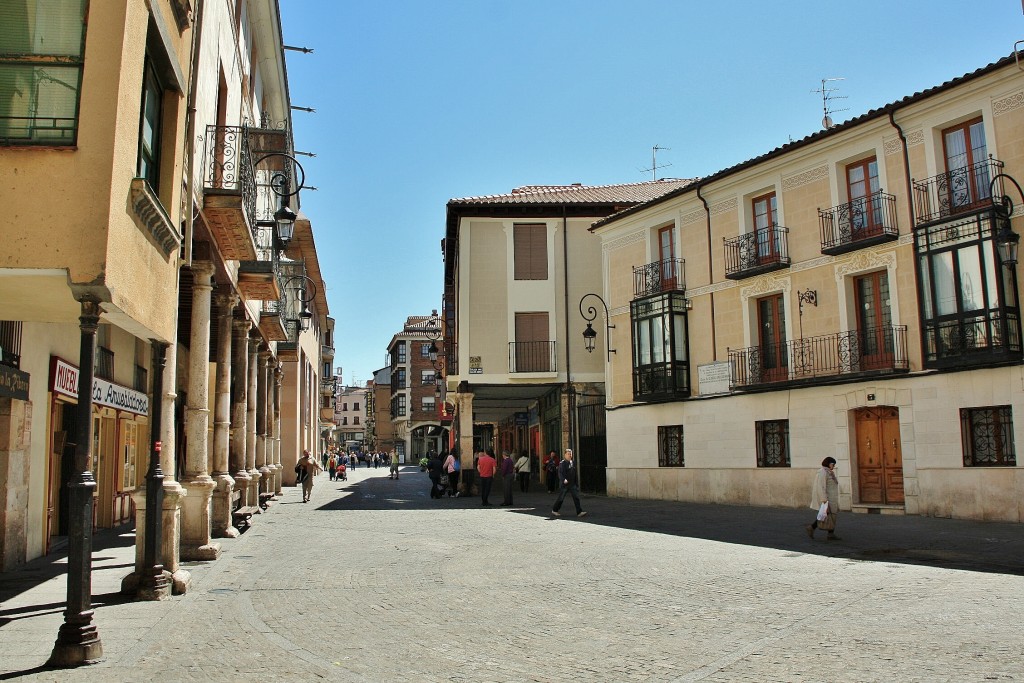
[987, 435]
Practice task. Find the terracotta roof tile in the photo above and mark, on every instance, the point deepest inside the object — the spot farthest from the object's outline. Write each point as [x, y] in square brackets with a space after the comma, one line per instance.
[579, 194]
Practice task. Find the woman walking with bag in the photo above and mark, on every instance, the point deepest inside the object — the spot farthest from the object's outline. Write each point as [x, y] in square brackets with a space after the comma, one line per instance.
[825, 492]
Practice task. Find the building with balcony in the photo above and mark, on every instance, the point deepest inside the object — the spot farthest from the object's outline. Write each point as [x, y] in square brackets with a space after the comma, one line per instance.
[416, 397]
[516, 267]
[852, 294]
[350, 416]
[380, 433]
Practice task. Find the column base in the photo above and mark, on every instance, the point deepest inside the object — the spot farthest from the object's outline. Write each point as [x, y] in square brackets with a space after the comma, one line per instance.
[159, 588]
[196, 523]
[171, 542]
[265, 485]
[221, 525]
[253, 494]
[203, 553]
[77, 645]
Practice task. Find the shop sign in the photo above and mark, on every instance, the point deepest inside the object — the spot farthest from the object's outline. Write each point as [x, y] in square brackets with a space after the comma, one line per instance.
[13, 383]
[522, 419]
[104, 393]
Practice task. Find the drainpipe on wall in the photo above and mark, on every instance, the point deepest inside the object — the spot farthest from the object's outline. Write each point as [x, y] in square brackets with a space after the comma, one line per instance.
[711, 273]
[568, 366]
[906, 165]
[190, 127]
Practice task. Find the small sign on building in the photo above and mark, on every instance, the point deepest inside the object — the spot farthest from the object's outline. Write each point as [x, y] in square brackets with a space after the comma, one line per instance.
[476, 366]
[713, 378]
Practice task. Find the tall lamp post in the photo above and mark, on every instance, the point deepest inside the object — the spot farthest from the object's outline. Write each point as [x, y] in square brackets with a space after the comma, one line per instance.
[78, 640]
[153, 582]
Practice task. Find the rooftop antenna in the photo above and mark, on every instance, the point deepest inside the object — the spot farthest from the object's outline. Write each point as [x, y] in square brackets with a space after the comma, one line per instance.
[654, 161]
[826, 99]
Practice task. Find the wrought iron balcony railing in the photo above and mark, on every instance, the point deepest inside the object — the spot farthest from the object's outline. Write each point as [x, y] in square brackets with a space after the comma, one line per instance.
[859, 223]
[988, 337]
[229, 166]
[666, 275]
[957, 191]
[756, 252]
[868, 351]
[531, 356]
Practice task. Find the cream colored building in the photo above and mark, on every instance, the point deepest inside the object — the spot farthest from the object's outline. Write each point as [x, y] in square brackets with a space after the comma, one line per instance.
[516, 268]
[840, 296]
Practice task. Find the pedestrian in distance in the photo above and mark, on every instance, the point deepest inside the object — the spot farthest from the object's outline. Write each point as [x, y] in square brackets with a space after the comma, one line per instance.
[393, 474]
[508, 478]
[434, 472]
[567, 484]
[451, 466]
[825, 490]
[332, 466]
[523, 471]
[485, 466]
[551, 472]
[306, 469]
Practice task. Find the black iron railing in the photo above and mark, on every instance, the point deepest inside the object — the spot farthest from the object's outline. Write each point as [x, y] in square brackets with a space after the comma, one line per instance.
[862, 222]
[10, 343]
[756, 252]
[531, 356]
[987, 336]
[665, 275]
[957, 191]
[451, 358]
[38, 130]
[229, 166]
[872, 350]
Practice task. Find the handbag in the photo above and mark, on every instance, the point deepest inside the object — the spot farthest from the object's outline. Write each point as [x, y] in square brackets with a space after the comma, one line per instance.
[829, 523]
[822, 512]
[442, 480]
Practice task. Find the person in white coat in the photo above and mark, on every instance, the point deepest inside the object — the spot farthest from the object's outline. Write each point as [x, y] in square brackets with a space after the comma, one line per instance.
[825, 490]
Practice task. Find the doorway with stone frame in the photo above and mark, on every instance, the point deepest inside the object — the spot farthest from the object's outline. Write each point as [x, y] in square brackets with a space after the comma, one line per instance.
[878, 456]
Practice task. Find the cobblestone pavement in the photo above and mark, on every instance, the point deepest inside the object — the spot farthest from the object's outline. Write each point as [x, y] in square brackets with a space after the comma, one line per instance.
[374, 581]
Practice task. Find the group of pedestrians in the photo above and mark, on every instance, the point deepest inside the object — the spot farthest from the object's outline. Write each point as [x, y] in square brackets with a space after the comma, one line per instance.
[443, 470]
[564, 476]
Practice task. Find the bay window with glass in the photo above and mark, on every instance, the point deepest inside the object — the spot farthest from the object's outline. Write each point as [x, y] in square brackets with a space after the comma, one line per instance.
[661, 366]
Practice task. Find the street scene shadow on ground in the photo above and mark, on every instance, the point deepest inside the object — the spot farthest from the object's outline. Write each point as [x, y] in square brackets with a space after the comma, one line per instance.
[947, 543]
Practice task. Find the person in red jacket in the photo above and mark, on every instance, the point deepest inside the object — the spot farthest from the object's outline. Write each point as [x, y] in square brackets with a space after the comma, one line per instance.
[485, 466]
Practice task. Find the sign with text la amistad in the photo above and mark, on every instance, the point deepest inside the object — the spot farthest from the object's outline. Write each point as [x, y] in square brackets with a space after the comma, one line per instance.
[64, 380]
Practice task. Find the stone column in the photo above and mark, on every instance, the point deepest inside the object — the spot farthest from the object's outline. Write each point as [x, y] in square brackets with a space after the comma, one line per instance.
[261, 421]
[196, 543]
[222, 525]
[253, 497]
[467, 476]
[239, 423]
[278, 379]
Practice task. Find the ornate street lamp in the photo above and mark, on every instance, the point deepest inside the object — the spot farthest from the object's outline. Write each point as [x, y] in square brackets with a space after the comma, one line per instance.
[280, 185]
[590, 334]
[1006, 239]
[305, 295]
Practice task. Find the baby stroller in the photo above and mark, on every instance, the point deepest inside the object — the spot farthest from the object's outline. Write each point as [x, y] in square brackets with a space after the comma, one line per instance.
[342, 473]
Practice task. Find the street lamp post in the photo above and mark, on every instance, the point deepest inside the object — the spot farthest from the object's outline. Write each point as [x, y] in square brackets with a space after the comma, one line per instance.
[1006, 239]
[153, 582]
[78, 640]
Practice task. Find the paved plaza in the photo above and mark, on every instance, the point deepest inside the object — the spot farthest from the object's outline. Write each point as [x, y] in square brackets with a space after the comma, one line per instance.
[375, 581]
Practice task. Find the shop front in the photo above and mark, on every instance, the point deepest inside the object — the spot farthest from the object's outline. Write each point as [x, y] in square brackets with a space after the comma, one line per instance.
[120, 434]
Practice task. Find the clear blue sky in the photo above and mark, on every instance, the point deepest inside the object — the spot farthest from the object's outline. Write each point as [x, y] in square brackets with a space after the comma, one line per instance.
[419, 102]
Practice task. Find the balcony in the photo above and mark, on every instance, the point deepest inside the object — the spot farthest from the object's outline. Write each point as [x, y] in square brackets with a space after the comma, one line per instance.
[326, 352]
[258, 280]
[990, 337]
[756, 252]
[666, 275]
[872, 351]
[956, 192]
[864, 222]
[327, 415]
[229, 188]
[328, 387]
[661, 381]
[531, 356]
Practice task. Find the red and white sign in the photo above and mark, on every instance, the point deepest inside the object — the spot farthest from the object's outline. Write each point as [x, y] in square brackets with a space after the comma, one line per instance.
[64, 378]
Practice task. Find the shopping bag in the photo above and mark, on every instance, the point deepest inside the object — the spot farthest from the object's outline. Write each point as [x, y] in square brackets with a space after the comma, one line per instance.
[822, 512]
[829, 523]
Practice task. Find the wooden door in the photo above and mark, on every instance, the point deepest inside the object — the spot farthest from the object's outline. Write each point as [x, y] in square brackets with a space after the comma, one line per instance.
[532, 346]
[667, 256]
[865, 207]
[772, 338]
[967, 173]
[879, 456]
[765, 210]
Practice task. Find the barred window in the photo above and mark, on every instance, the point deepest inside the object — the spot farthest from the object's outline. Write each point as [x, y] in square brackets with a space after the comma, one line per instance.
[670, 446]
[772, 443]
[987, 435]
[41, 57]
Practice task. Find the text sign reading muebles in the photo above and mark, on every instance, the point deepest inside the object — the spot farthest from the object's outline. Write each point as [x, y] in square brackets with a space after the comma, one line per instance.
[104, 393]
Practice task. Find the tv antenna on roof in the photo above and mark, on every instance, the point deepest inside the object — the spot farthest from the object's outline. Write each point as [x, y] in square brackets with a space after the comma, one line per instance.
[826, 99]
[654, 162]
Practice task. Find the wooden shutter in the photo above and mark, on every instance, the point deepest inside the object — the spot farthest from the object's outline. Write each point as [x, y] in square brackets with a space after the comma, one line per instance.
[531, 251]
